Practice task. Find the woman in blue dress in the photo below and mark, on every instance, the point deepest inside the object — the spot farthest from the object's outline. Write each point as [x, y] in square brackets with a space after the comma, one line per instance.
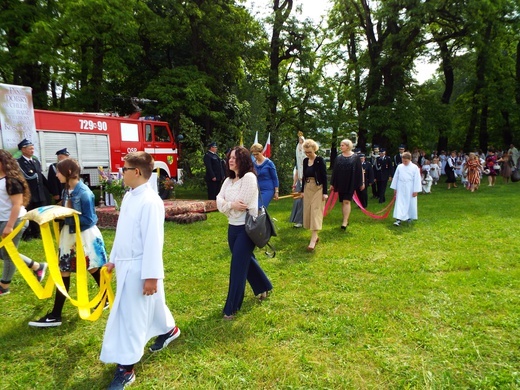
[266, 175]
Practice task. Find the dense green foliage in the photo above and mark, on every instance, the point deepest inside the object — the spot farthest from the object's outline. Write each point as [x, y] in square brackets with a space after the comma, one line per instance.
[216, 73]
[430, 306]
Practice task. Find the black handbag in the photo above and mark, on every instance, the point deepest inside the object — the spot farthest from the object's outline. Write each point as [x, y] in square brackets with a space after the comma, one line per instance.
[515, 176]
[260, 229]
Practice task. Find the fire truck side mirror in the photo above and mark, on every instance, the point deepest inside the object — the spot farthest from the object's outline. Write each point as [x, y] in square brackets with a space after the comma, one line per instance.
[179, 138]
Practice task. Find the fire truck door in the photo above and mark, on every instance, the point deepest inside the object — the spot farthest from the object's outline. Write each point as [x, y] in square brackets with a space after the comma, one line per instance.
[162, 146]
[130, 141]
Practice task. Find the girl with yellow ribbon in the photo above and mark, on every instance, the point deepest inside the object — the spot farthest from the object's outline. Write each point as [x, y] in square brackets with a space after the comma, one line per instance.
[78, 196]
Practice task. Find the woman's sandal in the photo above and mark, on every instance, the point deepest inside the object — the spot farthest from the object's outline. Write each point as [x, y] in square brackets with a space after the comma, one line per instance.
[262, 296]
[311, 248]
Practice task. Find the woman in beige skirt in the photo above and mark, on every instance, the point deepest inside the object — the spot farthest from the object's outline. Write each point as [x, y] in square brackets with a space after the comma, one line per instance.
[314, 191]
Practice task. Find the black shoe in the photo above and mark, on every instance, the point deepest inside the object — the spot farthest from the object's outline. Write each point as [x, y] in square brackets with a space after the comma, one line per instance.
[107, 305]
[47, 321]
[397, 222]
[122, 378]
[163, 340]
[4, 291]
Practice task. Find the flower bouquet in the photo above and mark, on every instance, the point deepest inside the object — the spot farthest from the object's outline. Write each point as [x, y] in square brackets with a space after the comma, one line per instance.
[168, 184]
[113, 185]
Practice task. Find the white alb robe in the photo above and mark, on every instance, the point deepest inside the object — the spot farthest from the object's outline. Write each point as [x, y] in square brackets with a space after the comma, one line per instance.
[137, 254]
[406, 181]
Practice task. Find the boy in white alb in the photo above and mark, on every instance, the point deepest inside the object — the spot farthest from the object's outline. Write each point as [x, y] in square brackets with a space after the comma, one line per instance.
[139, 311]
[406, 183]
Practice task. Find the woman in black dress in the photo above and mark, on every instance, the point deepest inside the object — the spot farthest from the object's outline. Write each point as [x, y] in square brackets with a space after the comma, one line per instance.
[347, 176]
[451, 163]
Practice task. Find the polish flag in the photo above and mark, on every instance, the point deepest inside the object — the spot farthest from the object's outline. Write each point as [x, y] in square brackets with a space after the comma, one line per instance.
[267, 147]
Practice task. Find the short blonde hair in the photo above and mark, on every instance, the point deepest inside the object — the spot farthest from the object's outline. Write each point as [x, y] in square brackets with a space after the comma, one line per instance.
[407, 156]
[310, 144]
[257, 148]
[347, 142]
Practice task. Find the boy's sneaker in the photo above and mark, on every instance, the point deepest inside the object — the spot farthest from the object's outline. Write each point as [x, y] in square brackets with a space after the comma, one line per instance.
[4, 291]
[163, 340]
[46, 321]
[106, 306]
[122, 378]
[397, 222]
[40, 272]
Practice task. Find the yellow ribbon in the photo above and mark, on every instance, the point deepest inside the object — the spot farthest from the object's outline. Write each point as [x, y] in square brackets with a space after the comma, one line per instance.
[44, 216]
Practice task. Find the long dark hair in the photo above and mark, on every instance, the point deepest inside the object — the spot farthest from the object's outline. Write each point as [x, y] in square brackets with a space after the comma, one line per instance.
[70, 169]
[243, 161]
[13, 172]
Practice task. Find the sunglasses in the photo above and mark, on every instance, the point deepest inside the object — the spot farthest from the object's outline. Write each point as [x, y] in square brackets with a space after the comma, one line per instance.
[124, 169]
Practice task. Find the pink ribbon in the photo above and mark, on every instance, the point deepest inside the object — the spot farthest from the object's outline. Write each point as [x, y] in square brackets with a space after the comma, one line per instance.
[385, 211]
[331, 201]
[382, 214]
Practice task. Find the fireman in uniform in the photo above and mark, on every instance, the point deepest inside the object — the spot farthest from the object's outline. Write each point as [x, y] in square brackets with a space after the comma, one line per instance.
[214, 171]
[368, 180]
[32, 171]
[383, 172]
[55, 186]
[372, 157]
[398, 158]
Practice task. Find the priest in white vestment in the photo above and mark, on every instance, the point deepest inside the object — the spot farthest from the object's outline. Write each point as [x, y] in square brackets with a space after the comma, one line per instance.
[407, 184]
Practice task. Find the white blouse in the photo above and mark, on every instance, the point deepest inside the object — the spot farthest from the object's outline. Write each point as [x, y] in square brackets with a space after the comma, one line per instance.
[244, 189]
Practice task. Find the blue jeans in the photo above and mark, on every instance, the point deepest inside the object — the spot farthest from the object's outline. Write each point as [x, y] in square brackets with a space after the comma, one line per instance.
[243, 267]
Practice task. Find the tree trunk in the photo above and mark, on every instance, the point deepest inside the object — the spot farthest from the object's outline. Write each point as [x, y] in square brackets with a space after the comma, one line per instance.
[96, 82]
[517, 74]
[281, 13]
[483, 133]
[479, 85]
[447, 70]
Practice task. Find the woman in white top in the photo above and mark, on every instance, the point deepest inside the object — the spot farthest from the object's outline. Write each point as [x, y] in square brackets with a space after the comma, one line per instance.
[238, 194]
[14, 195]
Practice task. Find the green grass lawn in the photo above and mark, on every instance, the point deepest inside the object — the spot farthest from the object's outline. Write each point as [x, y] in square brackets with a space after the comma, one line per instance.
[434, 305]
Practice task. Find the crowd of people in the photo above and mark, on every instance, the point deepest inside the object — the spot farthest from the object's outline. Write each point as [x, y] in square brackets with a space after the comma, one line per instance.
[243, 182]
[408, 172]
[469, 168]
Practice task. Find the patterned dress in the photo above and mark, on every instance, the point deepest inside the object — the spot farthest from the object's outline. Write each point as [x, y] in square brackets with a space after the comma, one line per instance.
[491, 160]
[474, 169]
[93, 245]
[507, 168]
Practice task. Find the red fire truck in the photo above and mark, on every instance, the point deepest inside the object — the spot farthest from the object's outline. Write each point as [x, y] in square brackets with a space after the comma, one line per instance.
[102, 140]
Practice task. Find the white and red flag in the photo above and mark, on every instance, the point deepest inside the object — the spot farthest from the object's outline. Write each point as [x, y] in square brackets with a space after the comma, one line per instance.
[267, 147]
